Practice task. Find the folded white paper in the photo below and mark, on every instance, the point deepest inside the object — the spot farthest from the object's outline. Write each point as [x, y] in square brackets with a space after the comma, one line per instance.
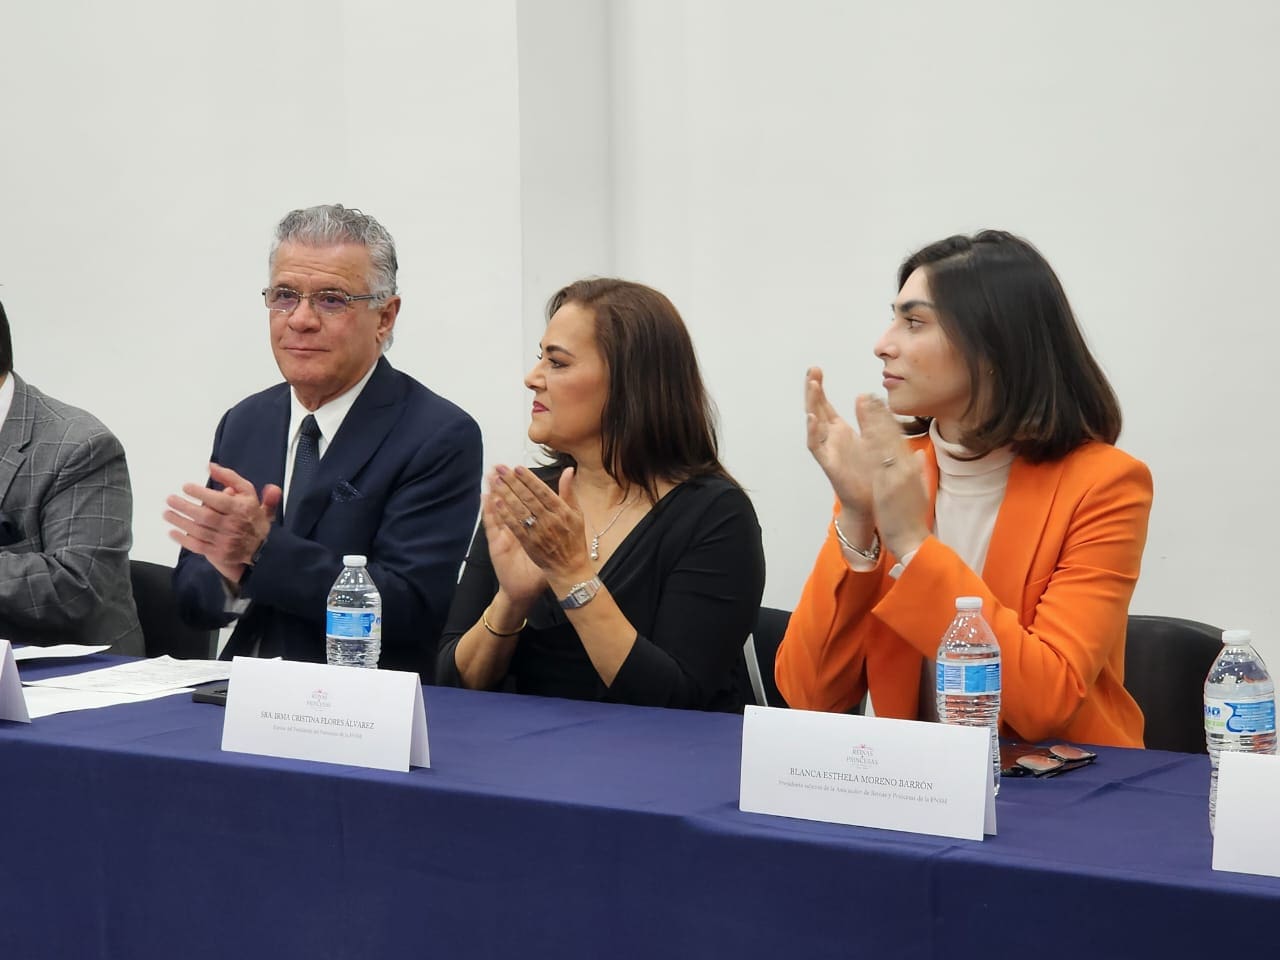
[1245, 839]
[140, 677]
[59, 651]
[311, 711]
[907, 775]
[13, 706]
[46, 701]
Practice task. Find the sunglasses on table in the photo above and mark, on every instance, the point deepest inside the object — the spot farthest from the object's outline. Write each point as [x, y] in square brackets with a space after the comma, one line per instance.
[1024, 759]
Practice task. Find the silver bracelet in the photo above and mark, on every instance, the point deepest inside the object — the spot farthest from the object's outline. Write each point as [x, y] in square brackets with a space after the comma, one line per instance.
[871, 554]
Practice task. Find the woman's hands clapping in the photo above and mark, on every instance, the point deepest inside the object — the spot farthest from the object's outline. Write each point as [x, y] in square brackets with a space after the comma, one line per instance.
[878, 480]
[535, 537]
[844, 455]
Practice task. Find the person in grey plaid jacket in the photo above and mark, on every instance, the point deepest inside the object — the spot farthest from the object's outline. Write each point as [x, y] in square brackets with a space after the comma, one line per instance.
[66, 515]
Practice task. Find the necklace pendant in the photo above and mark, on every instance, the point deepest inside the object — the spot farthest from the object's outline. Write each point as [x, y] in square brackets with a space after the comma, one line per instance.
[595, 547]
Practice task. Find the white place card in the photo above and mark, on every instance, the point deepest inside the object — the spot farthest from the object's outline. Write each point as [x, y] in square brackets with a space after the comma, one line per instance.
[907, 775]
[311, 711]
[1245, 839]
[13, 705]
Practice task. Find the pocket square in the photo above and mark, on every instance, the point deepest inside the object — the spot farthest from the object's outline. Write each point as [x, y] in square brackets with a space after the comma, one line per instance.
[10, 532]
[344, 492]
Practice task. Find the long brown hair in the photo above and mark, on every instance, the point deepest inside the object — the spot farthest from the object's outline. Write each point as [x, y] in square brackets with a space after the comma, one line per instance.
[658, 422]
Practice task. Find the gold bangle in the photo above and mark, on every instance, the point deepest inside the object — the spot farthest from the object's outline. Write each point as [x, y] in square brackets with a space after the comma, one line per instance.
[484, 618]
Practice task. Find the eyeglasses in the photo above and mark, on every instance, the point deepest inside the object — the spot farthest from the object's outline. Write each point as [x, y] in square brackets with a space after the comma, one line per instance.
[325, 303]
[1020, 759]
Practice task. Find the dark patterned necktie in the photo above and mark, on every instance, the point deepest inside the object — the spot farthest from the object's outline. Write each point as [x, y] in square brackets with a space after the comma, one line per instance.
[305, 459]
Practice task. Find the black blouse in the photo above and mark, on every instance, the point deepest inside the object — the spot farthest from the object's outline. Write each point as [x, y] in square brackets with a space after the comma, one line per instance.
[688, 577]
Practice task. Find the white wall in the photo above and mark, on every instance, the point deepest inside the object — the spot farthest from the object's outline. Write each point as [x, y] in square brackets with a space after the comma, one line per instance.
[566, 166]
[781, 159]
[149, 149]
[767, 164]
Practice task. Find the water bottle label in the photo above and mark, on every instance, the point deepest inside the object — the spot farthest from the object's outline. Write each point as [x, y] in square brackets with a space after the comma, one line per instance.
[361, 625]
[971, 676]
[1240, 716]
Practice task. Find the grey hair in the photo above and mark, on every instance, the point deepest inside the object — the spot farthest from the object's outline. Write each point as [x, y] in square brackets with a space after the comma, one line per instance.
[329, 225]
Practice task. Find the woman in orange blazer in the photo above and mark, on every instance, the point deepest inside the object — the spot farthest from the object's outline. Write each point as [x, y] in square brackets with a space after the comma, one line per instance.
[1008, 468]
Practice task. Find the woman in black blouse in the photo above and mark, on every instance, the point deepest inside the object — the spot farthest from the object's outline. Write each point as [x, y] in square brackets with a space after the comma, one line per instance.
[631, 569]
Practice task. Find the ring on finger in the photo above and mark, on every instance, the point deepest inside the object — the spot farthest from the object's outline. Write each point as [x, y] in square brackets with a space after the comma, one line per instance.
[529, 521]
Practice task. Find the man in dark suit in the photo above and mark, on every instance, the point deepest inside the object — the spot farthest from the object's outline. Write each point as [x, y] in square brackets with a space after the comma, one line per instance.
[348, 456]
[66, 516]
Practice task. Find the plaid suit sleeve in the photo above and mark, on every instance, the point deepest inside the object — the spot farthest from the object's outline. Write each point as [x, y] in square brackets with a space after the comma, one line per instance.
[76, 505]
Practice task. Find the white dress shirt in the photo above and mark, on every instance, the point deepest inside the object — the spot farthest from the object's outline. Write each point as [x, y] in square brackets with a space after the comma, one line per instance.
[6, 397]
[329, 417]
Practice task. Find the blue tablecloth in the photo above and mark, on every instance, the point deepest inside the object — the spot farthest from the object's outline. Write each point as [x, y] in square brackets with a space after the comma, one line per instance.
[563, 829]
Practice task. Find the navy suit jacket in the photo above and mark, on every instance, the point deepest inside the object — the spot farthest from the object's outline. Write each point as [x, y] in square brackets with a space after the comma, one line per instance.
[399, 483]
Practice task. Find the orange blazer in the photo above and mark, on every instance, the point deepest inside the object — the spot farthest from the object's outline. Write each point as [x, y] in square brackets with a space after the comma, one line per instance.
[1060, 569]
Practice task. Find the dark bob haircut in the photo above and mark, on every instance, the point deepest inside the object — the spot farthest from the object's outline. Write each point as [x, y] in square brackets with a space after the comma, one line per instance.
[1034, 385]
[658, 422]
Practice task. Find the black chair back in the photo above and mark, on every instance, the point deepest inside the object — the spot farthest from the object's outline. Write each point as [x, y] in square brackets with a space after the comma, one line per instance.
[761, 649]
[162, 629]
[1165, 662]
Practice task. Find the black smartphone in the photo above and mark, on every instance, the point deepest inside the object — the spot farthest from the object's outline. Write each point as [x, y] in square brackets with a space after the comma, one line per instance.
[211, 693]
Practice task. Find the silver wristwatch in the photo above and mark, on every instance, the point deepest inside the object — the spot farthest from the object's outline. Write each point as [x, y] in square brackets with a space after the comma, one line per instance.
[580, 594]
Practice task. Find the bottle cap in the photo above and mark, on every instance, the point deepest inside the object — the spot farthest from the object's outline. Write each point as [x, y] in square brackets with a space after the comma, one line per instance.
[968, 603]
[1236, 638]
[354, 560]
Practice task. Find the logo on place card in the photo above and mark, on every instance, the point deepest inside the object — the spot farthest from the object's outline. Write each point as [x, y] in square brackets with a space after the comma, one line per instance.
[318, 700]
[862, 757]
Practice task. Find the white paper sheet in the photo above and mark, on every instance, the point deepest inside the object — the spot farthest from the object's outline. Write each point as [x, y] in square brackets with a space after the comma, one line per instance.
[46, 701]
[57, 651]
[142, 677]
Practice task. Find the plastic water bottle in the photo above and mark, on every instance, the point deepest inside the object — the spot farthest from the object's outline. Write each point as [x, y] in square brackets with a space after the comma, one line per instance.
[968, 675]
[1239, 706]
[353, 621]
